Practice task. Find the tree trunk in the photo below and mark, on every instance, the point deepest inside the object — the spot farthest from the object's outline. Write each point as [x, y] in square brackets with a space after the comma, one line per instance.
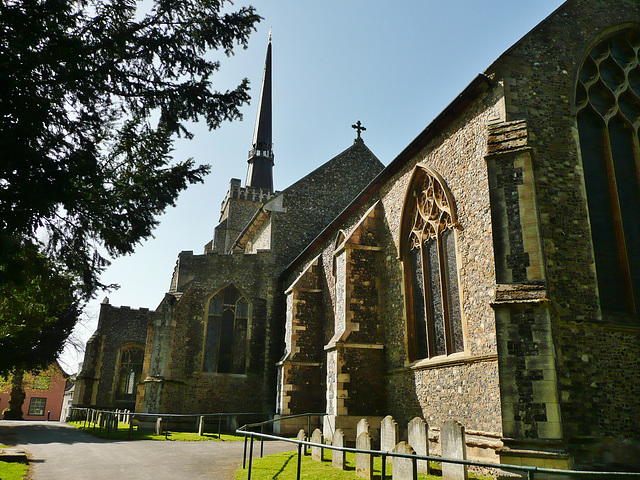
[17, 397]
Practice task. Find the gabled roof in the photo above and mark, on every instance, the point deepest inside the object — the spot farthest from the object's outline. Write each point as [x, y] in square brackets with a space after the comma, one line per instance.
[479, 84]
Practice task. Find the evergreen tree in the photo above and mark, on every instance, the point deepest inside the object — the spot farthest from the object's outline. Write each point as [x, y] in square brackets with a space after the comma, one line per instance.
[92, 95]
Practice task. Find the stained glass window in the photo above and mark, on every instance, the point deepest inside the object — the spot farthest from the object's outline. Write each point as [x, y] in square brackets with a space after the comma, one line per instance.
[129, 372]
[429, 254]
[226, 332]
[607, 104]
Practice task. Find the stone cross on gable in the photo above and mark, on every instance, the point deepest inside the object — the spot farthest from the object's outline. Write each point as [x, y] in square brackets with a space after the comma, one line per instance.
[359, 128]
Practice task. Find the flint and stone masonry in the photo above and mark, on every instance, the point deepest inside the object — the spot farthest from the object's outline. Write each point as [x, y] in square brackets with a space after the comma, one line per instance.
[487, 310]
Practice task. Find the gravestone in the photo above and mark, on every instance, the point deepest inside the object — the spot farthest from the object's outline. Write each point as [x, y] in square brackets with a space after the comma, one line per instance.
[303, 438]
[159, 426]
[316, 452]
[419, 440]
[201, 426]
[388, 435]
[363, 426]
[404, 468]
[364, 461]
[337, 459]
[453, 446]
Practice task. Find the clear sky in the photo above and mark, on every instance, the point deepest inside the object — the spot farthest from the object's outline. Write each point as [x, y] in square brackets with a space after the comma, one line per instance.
[392, 65]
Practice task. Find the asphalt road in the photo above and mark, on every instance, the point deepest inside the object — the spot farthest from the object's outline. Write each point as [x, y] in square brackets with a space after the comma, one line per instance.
[58, 451]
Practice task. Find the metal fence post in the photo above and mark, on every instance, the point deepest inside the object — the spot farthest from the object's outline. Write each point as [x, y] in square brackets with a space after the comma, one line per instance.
[244, 456]
[250, 457]
[299, 461]
[130, 429]
[261, 441]
[308, 426]
[219, 424]
[383, 468]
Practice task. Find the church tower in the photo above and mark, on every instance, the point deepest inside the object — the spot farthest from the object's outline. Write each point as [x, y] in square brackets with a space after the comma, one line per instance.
[260, 170]
[241, 203]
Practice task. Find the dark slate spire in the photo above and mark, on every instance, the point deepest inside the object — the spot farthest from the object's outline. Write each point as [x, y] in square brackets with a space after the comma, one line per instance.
[259, 172]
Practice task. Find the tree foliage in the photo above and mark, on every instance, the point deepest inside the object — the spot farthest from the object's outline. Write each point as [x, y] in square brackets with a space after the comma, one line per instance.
[92, 95]
[37, 313]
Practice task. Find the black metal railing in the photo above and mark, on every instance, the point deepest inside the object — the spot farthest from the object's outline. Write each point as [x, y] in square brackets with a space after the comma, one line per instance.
[530, 472]
[110, 419]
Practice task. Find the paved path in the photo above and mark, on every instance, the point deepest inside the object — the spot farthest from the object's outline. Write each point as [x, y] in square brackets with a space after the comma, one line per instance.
[59, 451]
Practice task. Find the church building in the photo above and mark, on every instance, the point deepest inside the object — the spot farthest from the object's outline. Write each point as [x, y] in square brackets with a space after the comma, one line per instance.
[489, 274]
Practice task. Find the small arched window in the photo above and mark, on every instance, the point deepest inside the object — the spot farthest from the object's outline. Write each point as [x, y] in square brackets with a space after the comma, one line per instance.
[428, 250]
[226, 332]
[607, 106]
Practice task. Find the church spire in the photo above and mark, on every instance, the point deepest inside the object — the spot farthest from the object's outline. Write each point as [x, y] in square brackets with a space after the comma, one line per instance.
[259, 172]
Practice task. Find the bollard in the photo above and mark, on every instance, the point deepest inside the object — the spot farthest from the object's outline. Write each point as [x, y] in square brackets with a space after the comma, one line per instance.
[201, 426]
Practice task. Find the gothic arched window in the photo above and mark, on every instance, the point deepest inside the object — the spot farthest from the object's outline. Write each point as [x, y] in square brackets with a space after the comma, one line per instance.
[607, 105]
[428, 249]
[226, 332]
[129, 372]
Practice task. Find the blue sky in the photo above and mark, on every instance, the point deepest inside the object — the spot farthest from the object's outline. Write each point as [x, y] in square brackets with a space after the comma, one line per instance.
[392, 65]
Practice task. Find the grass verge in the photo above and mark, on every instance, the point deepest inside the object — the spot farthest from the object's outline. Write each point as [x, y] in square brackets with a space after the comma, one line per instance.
[283, 466]
[13, 470]
[123, 434]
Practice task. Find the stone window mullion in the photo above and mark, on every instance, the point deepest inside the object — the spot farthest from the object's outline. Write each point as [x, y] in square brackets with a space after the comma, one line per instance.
[617, 214]
[607, 106]
[428, 215]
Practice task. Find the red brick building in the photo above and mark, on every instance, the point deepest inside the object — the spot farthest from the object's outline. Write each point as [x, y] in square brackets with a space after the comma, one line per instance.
[44, 391]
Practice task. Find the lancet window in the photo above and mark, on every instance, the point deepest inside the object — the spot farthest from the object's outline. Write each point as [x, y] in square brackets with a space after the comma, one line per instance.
[428, 249]
[129, 372]
[226, 332]
[607, 106]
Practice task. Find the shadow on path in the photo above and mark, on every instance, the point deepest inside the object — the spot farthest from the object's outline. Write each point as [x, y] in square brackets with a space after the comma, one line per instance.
[60, 451]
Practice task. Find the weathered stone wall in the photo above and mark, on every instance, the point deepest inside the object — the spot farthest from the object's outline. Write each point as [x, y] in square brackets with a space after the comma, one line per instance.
[448, 387]
[443, 387]
[312, 202]
[301, 371]
[176, 357]
[262, 239]
[117, 327]
[539, 74]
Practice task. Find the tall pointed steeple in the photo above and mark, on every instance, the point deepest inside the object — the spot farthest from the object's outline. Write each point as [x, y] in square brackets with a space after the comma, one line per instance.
[260, 170]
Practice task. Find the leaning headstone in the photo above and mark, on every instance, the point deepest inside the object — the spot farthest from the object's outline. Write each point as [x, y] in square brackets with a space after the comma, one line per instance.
[337, 456]
[159, 426]
[453, 446]
[388, 435]
[364, 461]
[316, 452]
[303, 438]
[363, 426]
[419, 440]
[201, 426]
[404, 468]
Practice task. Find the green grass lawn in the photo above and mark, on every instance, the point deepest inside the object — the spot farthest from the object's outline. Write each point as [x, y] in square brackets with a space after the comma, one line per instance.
[13, 470]
[123, 434]
[283, 466]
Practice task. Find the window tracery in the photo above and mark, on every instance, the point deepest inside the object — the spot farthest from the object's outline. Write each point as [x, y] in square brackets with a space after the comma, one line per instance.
[129, 371]
[226, 332]
[607, 107]
[429, 256]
